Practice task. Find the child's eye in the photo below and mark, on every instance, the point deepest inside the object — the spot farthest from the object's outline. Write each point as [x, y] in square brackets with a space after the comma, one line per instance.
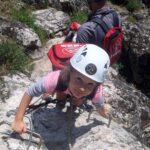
[78, 79]
[90, 85]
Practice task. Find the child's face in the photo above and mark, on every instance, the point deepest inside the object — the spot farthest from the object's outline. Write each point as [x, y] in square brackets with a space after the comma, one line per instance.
[80, 85]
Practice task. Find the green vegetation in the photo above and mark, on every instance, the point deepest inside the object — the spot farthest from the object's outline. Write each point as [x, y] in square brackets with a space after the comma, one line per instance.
[7, 5]
[133, 5]
[118, 66]
[12, 58]
[41, 33]
[79, 16]
[132, 19]
[24, 16]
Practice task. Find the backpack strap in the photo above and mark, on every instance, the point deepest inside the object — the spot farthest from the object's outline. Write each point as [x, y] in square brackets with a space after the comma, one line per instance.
[100, 21]
[116, 19]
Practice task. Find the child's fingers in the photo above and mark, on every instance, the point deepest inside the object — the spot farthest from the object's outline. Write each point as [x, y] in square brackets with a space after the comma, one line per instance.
[19, 128]
[106, 114]
[105, 111]
[24, 129]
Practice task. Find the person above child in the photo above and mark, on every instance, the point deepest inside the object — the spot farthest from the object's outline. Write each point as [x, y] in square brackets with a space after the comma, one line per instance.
[91, 31]
[82, 79]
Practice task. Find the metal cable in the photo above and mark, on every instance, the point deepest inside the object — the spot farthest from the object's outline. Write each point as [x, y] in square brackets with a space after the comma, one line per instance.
[31, 133]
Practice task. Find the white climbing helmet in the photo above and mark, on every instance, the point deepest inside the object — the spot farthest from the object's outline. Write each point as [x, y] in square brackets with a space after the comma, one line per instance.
[92, 61]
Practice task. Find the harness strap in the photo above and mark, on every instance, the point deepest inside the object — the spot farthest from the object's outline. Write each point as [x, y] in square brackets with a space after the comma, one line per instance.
[100, 21]
[116, 19]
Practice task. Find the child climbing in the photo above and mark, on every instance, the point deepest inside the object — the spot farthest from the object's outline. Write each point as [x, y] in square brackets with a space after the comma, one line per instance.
[82, 79]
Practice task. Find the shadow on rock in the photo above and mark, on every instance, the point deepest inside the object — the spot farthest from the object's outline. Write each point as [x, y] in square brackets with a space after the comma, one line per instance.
[60, 129]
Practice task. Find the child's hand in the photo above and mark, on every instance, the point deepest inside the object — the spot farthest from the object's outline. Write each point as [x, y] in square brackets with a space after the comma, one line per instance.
[105, 110]
[19, 126]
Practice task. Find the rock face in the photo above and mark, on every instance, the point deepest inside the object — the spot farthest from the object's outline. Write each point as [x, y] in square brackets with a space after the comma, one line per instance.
[131, 107]
[64, 5]
[64, 129]
[51, 20]
[20, 32]
[73, 5]
[137, 41]
[61, 131]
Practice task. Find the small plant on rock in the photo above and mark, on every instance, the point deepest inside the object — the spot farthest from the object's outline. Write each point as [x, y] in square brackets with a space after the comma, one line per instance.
[12, 58]
[79, 16]
[24, 16]
[133, 5]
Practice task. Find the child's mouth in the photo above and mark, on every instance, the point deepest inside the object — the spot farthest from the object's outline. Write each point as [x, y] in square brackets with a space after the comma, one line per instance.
[77, 93]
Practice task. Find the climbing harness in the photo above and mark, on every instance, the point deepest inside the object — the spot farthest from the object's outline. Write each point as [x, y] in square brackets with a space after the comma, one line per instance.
[34, 106]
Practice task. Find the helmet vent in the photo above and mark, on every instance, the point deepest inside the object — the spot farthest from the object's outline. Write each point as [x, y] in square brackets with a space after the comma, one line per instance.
[84, 53]
[105, 66]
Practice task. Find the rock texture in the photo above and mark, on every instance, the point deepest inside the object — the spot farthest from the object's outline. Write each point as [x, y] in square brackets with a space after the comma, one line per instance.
[63, 129]
[20, 32]
[51, 20]
[137, 41]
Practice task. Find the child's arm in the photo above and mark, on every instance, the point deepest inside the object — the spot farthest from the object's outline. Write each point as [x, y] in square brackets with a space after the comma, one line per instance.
[36, 89]
[18, 124]
[99, 102]
[46, 84]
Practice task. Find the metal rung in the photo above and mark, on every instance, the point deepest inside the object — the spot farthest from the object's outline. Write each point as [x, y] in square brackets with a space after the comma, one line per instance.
[109, 117]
